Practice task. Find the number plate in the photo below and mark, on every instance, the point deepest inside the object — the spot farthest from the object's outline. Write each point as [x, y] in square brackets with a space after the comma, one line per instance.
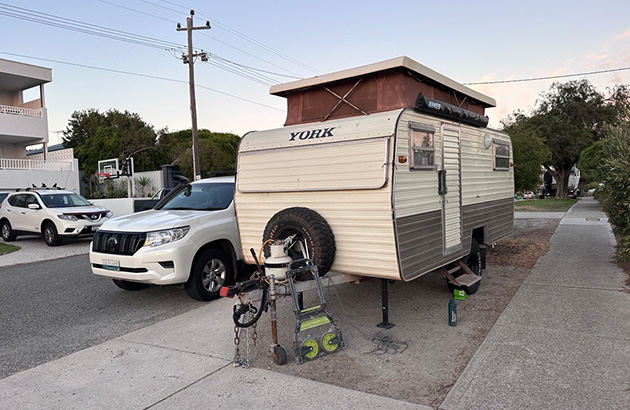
[111, 264]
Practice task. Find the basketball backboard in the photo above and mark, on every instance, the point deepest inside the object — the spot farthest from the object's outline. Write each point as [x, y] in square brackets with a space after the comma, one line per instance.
[108, 169]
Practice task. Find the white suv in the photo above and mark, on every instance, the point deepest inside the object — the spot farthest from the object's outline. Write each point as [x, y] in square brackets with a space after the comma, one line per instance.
[189, 237]
[55, 214]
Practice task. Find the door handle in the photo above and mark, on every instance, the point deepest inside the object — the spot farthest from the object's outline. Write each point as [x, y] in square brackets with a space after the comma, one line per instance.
[442, 189]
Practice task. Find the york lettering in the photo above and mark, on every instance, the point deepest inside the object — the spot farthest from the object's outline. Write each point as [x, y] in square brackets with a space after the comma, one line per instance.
[312, 134]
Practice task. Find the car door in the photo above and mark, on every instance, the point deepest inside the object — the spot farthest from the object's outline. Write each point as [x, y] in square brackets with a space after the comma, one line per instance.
[32, 217]
[16, 205]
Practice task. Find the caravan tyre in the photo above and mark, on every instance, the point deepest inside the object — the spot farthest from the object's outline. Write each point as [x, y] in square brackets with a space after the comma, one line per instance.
[473, 261]
[309, 226]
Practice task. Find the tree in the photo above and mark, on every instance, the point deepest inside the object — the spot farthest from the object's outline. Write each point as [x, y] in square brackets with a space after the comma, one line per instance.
[529, 151]
[96, 136]
[590, 161]
[569, 118]
[615, 170]
[217, 151]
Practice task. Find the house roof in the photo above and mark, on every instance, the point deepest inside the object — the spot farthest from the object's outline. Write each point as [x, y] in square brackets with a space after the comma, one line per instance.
[17, 76]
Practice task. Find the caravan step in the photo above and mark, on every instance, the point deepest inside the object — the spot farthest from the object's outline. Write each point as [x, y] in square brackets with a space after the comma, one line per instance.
[468, 279]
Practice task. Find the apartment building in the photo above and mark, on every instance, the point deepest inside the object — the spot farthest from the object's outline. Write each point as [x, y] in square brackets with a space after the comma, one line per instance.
[25, 123]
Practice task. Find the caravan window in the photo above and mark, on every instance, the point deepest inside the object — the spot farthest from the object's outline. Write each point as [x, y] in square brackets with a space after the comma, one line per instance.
[501, 155]
[421, 146]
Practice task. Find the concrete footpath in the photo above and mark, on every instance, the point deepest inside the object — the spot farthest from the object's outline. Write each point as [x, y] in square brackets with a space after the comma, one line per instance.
[563, 342]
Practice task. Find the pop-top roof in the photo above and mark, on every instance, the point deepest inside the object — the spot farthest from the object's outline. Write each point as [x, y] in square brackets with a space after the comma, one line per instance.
[380, 87]
[398, 62]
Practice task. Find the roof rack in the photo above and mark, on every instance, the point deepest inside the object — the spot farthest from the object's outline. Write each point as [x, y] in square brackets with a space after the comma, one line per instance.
[41, 188]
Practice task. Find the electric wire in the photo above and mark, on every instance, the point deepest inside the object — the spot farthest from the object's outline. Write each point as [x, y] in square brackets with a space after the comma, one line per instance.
[215, 39]
[137, 11]
[78, 26]
[551, 77]
[221, 65]
[111, 70]
[236, 33]
[243, 69]
[75, 25]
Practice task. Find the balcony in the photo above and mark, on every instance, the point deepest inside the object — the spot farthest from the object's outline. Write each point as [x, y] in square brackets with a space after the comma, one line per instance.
[27, 112]
[22, 125]
[35, 165]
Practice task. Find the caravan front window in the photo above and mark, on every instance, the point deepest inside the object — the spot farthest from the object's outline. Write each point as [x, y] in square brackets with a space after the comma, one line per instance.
[421, 146]
[501, 156]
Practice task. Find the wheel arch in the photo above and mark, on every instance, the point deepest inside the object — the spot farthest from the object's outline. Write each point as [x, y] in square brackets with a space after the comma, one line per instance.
[223, 245]
[44, 222]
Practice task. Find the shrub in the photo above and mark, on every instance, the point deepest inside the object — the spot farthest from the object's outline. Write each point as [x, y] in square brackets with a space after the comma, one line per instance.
[615, 195]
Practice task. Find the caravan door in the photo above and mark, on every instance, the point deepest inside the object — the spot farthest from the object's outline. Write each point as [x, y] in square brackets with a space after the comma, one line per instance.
[451, 189]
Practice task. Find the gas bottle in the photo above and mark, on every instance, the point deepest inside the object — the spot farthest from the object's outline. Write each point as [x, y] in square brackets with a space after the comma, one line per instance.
[277, 264]
[452, 313]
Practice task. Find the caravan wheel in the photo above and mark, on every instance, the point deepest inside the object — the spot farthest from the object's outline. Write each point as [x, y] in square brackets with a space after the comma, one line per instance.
[310, 227]
[473, 261]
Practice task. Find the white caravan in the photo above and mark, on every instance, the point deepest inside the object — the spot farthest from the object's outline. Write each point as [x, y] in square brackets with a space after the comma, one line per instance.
[388, 193]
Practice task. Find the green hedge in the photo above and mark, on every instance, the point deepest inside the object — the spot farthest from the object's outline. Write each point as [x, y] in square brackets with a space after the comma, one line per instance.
[615, 196]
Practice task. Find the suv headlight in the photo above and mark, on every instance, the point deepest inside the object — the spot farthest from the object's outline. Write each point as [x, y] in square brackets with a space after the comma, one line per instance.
[158, 238]
[67, 217]
[109, 214]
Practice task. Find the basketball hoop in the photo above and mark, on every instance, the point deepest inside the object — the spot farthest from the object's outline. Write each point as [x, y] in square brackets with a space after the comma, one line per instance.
[102, 176]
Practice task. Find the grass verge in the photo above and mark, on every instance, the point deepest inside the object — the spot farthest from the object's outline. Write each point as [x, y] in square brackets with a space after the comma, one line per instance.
[7, 248]
[544, 205]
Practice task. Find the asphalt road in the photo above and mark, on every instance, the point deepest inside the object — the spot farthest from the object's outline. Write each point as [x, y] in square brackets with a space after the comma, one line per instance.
[54, 308]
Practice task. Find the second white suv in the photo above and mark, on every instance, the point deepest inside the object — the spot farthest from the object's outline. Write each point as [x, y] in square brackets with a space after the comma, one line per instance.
[189, 238]
[55, 214]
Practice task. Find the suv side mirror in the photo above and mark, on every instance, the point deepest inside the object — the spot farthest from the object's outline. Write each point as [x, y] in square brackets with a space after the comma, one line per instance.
[34, 206]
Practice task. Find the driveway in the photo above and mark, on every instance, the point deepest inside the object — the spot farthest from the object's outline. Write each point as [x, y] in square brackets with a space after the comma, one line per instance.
[35, 250]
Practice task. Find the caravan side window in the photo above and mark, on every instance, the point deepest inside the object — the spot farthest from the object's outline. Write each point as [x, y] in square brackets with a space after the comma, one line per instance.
[421, 146]
[501, 155]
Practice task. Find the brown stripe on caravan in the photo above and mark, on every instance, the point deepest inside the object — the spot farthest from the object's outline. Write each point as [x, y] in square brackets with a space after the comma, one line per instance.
[419, 243]
[496, 216]
[420, 247]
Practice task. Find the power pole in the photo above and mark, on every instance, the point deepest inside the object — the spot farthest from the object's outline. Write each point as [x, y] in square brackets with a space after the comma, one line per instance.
[190, 60]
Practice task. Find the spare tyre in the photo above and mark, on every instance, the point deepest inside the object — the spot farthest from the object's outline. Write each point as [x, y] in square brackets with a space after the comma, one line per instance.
[309, 227]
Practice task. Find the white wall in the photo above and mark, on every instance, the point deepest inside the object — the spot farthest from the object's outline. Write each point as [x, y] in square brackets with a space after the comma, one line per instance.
[118, 206]
[12, 179]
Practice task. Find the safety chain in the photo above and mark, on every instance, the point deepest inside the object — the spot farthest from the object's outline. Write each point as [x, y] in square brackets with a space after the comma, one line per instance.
[238, 360]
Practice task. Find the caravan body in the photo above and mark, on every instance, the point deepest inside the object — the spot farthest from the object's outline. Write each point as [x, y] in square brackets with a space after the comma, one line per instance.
[404, 191]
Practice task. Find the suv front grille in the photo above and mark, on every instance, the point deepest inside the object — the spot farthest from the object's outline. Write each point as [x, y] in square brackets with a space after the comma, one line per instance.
[118, 243]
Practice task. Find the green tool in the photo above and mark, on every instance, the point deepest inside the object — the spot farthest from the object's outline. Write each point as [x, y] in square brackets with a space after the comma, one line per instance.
[316, 333]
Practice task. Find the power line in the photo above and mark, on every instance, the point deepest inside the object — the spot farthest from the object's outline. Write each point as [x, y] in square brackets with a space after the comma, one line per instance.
[79, 26]
[295, 76]
[111, 70]
[239, 34]
[137, 11]
[551, 77]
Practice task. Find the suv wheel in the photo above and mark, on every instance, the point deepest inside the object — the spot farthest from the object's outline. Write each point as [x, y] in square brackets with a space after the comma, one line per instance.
[211, 271]
[51, 237]
[7, 232]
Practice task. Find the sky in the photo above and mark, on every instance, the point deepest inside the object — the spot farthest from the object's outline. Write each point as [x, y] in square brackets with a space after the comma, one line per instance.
[468, 41]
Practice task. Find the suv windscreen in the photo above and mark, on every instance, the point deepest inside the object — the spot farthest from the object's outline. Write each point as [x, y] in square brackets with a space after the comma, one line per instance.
[64, 200]
[202, 197]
